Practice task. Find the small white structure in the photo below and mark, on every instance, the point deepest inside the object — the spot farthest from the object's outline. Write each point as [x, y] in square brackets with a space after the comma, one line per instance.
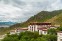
[59, 36]
[52, 27]
[12, 32]
[42, 31]
[33, 26]
[57, 26]
[18, 30]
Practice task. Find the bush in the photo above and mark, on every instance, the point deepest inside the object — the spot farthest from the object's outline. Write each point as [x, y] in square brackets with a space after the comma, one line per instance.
[30, 36]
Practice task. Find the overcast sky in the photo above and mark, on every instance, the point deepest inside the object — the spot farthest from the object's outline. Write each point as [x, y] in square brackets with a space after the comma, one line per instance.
[21, 10]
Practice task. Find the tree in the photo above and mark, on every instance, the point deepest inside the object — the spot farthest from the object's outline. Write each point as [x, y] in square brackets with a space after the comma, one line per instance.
[11, 38]
[30, 36]
[60, 28]
[50, 37]
[41, 39]
[52, 31]
[22, 40]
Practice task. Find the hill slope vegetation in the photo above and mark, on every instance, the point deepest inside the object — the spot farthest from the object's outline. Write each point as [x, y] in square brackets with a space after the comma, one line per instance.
[56, 19]
[43, 16]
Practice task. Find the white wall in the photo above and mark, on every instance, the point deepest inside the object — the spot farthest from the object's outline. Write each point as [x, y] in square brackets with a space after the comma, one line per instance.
[34, 27]
[59, 36]
[42, 32]
[12, 33]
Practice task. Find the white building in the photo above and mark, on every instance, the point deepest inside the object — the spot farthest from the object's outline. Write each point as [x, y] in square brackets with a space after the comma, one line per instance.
[43, 31]
[34, 26]
[12, 32]
[18, 30]
[59, 36]
[39, 27]
[52, 27]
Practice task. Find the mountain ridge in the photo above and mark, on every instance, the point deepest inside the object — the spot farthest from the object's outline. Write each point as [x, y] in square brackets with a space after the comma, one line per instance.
[6, 24]
[42, 16]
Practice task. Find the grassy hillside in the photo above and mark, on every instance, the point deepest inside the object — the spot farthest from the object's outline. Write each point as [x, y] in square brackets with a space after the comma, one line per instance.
[56, 20]
[40, 17]
[4, 30]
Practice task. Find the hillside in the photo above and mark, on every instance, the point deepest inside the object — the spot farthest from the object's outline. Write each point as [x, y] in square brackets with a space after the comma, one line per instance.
[43, 16]
[56, 19]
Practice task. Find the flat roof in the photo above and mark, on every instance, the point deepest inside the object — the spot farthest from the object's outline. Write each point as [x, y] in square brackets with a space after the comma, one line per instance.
[43, 29]
[34, 23]
[22, 28]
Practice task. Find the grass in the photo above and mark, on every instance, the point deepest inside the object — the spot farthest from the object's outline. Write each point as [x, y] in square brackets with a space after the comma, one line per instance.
[0, 40]
[56, 20]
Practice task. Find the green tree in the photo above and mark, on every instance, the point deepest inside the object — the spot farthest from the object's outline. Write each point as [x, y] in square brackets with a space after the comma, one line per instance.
[60, 28]
[22, 40]
[41, 39]
[52, 31]
[11, 38]
[50, 37]
[30, 36]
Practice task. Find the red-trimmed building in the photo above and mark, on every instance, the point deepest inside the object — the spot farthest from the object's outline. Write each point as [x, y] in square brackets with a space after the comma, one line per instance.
[42, 31]
[18, 30]
[33, 26]
[40, 27]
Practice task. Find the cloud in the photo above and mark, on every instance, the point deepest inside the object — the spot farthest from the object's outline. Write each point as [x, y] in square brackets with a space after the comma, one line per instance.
[21, 10]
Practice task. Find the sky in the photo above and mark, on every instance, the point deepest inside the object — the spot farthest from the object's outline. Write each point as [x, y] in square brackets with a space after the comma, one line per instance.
[22, 10]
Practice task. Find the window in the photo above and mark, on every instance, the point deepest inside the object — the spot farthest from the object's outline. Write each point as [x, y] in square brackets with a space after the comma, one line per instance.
[38, 30]
[32, 28]
[45, 32]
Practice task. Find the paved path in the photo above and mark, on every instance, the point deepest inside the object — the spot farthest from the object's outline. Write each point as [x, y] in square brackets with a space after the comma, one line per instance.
[2, 36]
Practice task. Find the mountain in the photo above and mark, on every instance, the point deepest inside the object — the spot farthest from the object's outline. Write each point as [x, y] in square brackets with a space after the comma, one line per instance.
[43, 16]
[6, 24]
[56, 19]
